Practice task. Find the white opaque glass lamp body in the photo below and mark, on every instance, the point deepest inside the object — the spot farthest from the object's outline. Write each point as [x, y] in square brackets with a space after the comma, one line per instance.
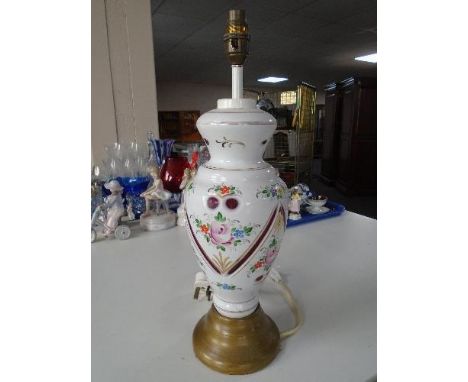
[236, 205]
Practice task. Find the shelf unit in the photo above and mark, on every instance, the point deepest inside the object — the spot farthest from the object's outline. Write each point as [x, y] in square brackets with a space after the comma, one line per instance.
[291, 150]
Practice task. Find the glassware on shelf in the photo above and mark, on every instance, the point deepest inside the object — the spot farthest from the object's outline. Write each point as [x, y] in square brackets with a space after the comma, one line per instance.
[127, 163]
[133, 187]
[172, 172]
[130, 168]
[160, 149]
[125, 160]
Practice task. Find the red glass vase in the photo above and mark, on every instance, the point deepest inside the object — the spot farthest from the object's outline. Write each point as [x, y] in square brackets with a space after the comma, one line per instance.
[172, 172]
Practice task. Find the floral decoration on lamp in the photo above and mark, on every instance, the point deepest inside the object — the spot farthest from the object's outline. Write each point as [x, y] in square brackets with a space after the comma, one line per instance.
[271, 191]
[224, 190]
[222, 232]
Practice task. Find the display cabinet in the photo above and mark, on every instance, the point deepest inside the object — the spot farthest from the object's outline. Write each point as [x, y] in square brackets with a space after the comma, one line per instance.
[331, 133]
[350, 139]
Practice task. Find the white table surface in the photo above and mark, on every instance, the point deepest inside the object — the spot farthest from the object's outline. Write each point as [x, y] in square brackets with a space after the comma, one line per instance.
[143, 313]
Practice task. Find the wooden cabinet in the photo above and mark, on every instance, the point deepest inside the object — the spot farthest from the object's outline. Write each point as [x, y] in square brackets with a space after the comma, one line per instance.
[331, 131]
[179, 125]
[352, 163]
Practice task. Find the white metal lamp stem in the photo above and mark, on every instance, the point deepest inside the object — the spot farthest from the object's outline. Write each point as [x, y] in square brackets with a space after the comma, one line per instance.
[237, 81]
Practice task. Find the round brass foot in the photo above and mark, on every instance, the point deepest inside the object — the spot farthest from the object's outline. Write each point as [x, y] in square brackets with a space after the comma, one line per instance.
[236, 345]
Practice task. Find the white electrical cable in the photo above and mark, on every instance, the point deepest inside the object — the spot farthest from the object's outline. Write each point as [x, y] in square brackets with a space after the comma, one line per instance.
[275, 277]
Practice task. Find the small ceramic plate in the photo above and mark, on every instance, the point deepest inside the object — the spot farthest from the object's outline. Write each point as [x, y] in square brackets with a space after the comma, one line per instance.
[317, 211]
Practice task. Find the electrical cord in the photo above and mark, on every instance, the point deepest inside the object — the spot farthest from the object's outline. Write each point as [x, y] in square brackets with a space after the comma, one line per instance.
[202, 291]
[277, 280]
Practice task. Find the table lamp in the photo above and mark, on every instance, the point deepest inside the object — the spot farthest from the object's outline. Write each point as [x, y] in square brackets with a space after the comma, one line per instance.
[236, 208]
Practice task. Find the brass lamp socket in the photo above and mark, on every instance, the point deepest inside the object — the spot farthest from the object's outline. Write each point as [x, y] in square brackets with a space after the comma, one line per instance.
[236, 37]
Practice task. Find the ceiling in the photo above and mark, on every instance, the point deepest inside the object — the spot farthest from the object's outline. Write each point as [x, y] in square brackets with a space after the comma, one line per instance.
[304, 40]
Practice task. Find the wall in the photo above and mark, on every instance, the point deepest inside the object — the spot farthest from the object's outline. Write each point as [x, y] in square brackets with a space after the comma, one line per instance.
[123, 75]
[191, 96]
[103, 123]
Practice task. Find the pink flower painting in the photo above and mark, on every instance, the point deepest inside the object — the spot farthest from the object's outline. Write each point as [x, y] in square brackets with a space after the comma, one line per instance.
[271, 256]
[220, 233]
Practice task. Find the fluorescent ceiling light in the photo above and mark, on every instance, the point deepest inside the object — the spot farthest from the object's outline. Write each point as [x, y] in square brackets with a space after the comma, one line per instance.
[273, 80]
[369, 58]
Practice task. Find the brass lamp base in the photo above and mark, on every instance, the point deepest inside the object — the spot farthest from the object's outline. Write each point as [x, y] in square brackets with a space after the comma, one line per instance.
[236, 345]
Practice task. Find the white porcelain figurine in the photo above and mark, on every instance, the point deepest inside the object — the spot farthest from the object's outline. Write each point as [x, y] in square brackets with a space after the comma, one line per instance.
[130, 213]
[189, 174]
[156, 193]
[153, 219]
[294, 205]
[114, 206]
